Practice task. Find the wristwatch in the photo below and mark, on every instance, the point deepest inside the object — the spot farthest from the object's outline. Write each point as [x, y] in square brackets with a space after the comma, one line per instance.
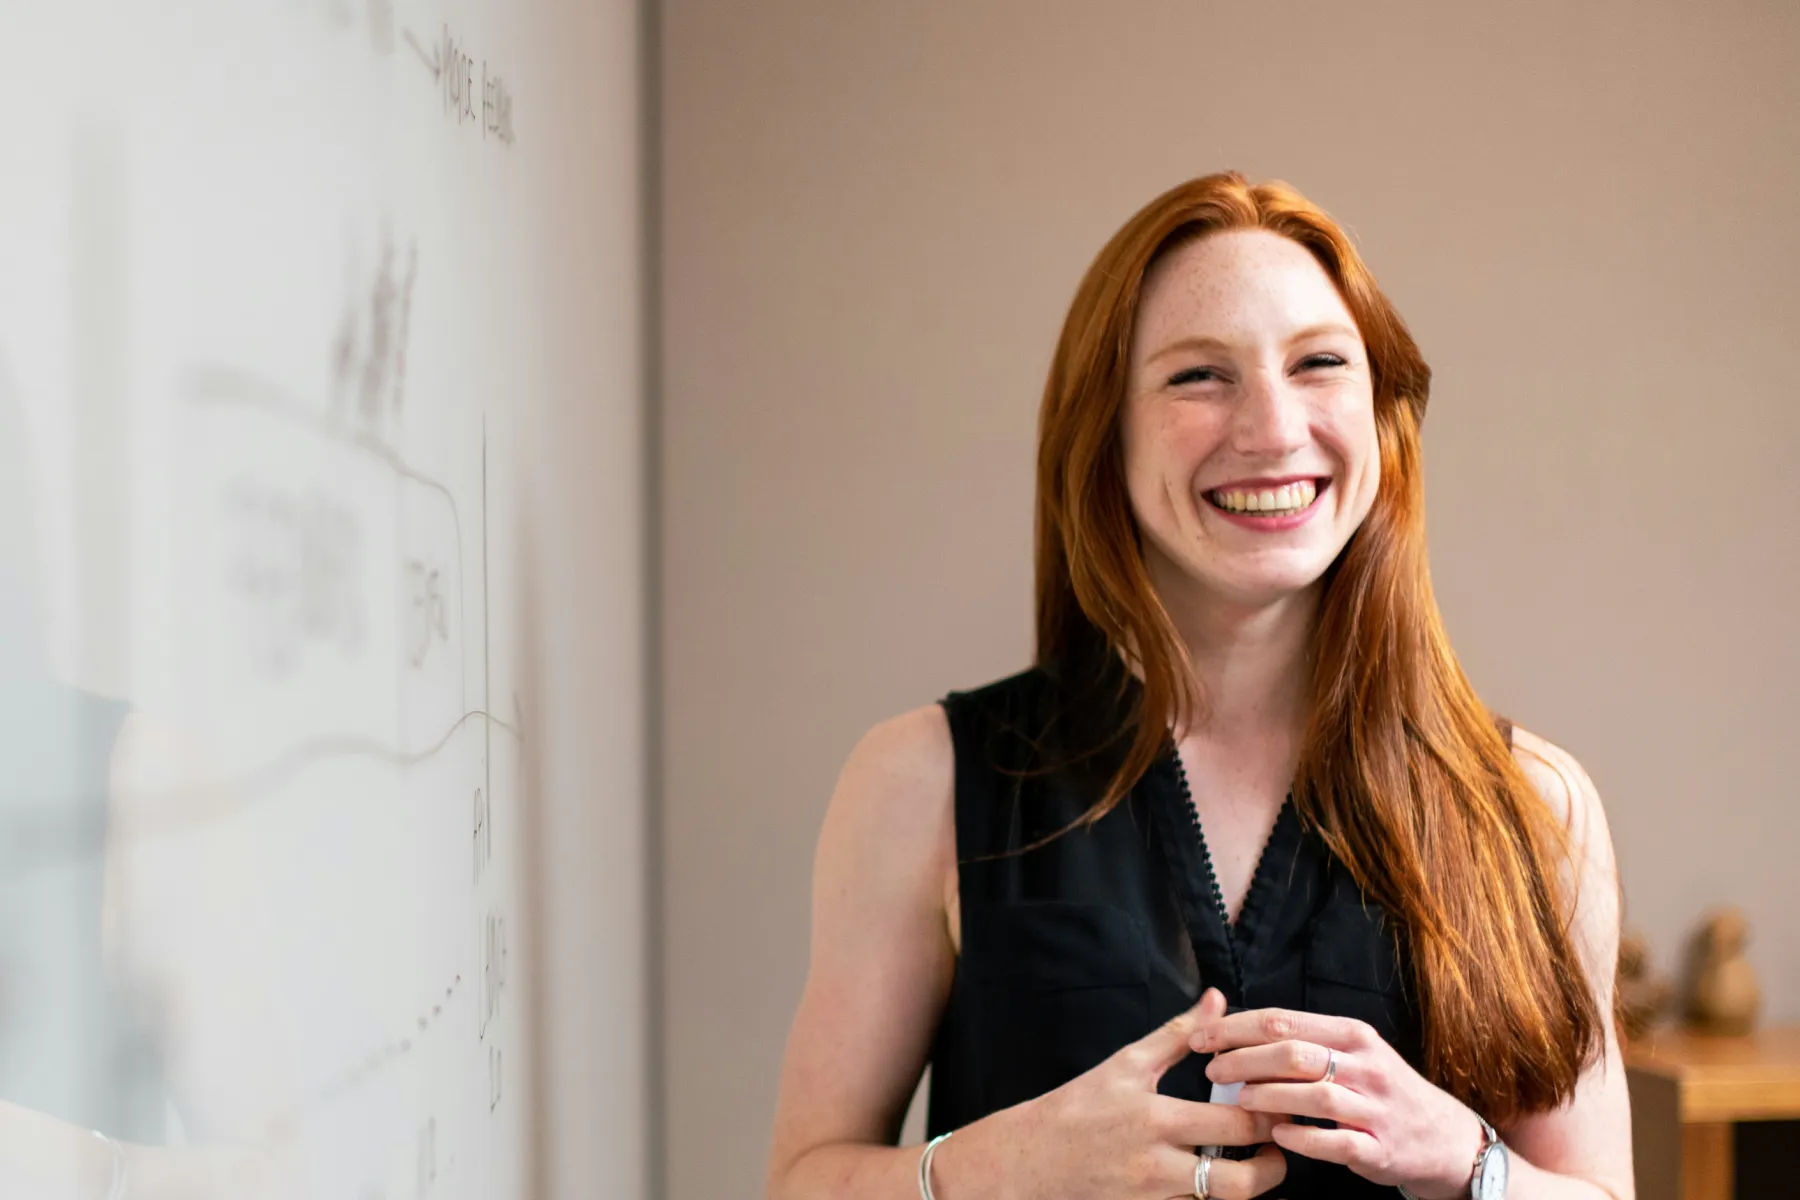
[1491, 1166]
[1488, 1180]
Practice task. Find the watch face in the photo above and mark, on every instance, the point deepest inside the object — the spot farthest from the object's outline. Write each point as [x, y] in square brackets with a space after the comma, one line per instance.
[1491, 1179]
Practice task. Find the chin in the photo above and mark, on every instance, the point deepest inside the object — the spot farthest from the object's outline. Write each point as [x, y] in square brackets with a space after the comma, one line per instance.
[1262, 588]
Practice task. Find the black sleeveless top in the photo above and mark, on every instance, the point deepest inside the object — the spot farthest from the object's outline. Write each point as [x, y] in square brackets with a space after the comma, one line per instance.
[1073, 949]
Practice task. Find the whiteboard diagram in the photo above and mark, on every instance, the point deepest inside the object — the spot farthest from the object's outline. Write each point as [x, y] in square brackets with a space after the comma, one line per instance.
[270, 320]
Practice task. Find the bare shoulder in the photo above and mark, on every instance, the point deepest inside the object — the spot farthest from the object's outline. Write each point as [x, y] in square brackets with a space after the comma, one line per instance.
[898, 772]
[1563, 784]
[1569, 792]
[903, 754]
[889, 826]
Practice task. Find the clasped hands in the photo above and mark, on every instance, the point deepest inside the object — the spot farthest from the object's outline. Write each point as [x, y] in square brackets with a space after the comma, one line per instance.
[1392, 1125]
[1109, 1132]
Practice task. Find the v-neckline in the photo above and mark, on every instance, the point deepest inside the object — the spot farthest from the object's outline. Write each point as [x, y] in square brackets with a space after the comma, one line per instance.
[1205, 899]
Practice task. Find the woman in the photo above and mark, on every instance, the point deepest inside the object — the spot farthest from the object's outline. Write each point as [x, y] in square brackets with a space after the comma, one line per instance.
[1246, 771]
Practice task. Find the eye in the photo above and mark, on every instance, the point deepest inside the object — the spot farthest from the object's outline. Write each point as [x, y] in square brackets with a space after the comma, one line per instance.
[1322, 360]
[1193, 375]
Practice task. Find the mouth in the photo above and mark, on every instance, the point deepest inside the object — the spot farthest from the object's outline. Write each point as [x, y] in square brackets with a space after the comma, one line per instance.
[1269, 499]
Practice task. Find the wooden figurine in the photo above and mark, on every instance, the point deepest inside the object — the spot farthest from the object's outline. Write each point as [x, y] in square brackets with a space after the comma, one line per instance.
[1725, 997]
[1642, 995]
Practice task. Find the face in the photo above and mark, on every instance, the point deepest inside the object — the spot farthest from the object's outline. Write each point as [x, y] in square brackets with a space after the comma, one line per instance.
[1249, 427]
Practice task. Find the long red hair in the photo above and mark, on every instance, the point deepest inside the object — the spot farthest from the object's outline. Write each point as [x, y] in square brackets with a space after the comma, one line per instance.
[1402, 769]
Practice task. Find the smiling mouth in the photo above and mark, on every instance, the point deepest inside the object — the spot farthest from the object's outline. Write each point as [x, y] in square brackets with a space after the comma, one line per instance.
[1284, 501]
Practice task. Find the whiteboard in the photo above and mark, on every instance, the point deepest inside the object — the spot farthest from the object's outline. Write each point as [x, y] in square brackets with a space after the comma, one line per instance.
[271, 328]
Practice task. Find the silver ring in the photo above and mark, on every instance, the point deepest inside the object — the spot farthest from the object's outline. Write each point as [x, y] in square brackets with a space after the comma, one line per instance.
[1330, 1066]
[1202, 1174]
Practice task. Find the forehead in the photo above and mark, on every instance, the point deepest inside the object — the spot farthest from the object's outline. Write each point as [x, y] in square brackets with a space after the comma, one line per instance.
[1243, 285]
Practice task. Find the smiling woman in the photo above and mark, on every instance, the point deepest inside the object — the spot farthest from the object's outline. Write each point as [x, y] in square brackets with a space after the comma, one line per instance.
[1284, 383]
[1244, 821]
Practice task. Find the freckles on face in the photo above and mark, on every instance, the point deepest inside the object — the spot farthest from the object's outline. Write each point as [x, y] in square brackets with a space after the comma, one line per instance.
[1248, 431]
[1171, 440]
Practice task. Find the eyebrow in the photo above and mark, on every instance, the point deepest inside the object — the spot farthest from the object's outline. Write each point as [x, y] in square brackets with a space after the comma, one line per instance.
[1213, 343]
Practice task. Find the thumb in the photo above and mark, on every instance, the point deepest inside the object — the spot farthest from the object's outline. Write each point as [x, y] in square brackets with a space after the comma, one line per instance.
[1167, 1044]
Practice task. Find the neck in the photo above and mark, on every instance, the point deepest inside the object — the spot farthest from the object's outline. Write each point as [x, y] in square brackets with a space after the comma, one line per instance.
[1250, 660]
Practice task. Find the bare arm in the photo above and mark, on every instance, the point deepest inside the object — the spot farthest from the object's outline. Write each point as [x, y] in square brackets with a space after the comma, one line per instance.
[1583, 1149]
[880, 968]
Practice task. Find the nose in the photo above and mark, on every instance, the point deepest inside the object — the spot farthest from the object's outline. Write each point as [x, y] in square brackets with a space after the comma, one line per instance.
[1270, 419]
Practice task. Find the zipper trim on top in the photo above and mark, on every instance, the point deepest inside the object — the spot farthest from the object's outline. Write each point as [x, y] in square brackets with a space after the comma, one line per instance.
[1233, 950]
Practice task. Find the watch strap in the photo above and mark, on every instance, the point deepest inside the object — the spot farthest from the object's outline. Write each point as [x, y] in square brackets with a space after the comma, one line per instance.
[1489, 1139]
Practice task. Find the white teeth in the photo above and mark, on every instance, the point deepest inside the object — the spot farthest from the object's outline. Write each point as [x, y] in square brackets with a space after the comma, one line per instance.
[1285, 500]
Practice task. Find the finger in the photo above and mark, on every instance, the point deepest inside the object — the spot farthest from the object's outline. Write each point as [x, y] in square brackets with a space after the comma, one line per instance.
[1261, 1026]
[1304, 1062]
[1228, 1180]
[1191, 1123]
[1326, 1100]
[1167, 1044]
[1351, 1147]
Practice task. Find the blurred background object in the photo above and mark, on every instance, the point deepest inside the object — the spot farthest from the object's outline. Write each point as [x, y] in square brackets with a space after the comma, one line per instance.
[1644, 996]
[1715, 1101]
[1723, 996]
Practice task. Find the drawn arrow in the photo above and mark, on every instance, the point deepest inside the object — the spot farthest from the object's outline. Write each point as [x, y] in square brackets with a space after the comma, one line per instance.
[431, 62]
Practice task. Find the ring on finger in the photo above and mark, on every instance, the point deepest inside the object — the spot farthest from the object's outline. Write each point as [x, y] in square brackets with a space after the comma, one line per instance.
[1202, 1176]
[1331, 1062]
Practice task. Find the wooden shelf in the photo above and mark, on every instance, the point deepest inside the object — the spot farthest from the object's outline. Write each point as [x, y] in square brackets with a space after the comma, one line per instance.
[1755, 1078]
[1688, 1090]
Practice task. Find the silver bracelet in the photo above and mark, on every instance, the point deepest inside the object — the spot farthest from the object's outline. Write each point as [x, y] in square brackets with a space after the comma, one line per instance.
[925, 1165]
[116, 1191]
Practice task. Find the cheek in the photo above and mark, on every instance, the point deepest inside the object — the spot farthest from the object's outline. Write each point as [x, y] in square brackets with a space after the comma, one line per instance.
[1371, 456]
[1160, 460]
[1161, 449]
[1134, 452]
[1351, 432]
[1174, 442]
[1362, 495]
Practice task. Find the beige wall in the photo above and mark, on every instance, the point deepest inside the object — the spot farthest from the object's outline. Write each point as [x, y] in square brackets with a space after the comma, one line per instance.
[584, 709]
[874, 217]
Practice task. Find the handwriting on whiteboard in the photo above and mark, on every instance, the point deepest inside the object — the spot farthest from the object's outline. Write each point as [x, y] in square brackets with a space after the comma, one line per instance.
[427, 625]
[297, 566]
[484, 834]
[368, 351]
[454, 69]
